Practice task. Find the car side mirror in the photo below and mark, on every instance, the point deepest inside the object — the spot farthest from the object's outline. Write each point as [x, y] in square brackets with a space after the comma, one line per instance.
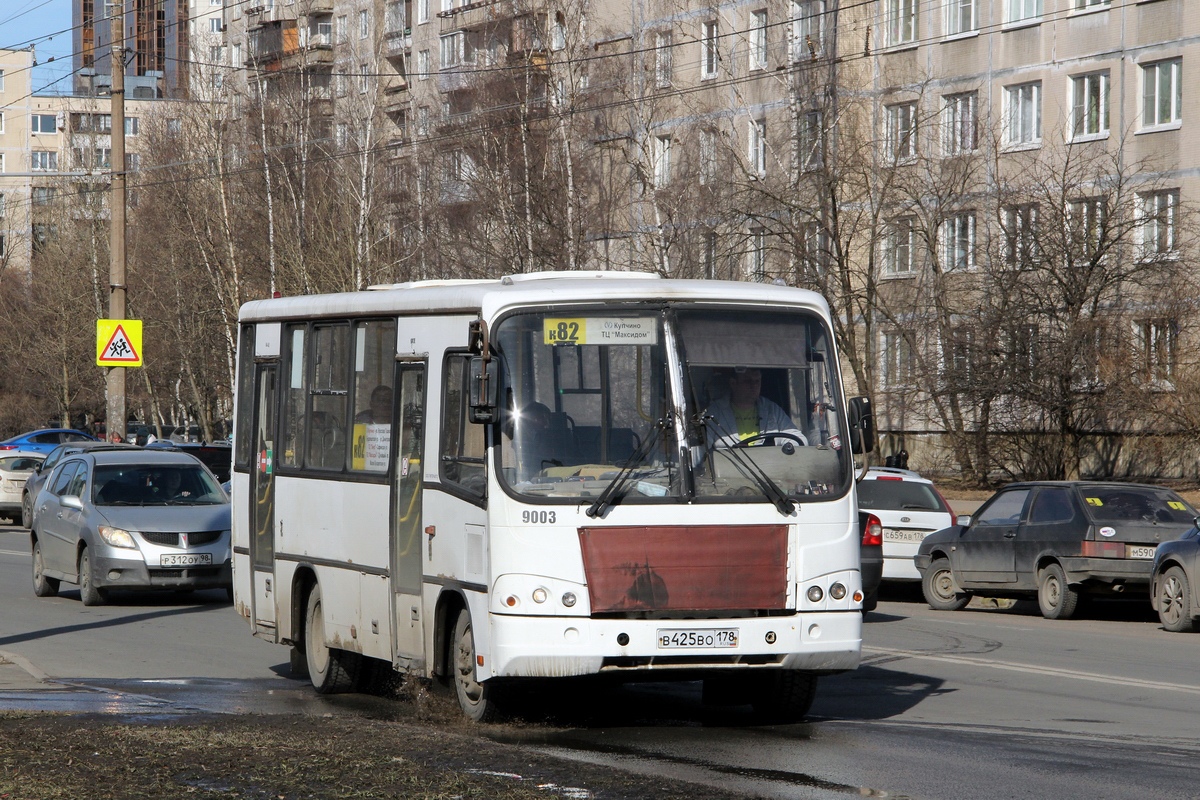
[862, 425]
[963, 519]
[71, 501]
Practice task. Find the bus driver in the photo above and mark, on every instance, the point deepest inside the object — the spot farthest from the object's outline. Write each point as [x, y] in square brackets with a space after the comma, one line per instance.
[744, 413]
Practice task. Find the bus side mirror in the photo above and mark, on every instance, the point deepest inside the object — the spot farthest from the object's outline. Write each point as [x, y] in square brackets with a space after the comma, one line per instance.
[484, 379]
[862, 425]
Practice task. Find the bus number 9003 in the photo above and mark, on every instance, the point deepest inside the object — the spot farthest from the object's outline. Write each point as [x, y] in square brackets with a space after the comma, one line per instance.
[538, 517]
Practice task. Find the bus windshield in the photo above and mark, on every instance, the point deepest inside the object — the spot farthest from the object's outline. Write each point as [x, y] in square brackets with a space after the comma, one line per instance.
[590, 398]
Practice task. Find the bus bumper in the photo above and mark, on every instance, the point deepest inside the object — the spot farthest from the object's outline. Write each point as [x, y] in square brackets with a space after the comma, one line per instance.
[545, 647]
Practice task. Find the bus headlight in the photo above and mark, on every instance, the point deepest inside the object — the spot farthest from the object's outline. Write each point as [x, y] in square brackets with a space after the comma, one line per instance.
[116, 537]
[568, 599]
[539, 595]
[837, 591]
[815, 594]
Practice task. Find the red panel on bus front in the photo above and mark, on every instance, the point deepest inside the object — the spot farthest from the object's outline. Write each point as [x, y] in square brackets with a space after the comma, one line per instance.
[685, 567]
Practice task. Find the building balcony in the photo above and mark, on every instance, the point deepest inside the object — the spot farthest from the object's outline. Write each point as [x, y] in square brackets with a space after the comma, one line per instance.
[395, 94]
[474, 15]
[397, 43]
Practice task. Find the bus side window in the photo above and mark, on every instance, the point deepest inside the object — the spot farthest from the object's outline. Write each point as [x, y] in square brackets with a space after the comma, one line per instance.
[462, 456]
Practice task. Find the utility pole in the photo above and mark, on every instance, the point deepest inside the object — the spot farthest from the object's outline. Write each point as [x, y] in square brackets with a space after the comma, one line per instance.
[115, 411]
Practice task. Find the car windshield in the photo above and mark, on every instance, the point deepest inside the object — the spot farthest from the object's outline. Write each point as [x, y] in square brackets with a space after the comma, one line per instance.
[160, 485]
[594, 398]
[1137, 504]
[899, 495]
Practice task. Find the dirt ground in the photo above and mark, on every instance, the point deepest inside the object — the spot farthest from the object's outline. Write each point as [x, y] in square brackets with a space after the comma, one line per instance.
[427, 751]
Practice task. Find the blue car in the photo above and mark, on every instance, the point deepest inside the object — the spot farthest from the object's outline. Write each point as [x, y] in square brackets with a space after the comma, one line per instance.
[45, 440]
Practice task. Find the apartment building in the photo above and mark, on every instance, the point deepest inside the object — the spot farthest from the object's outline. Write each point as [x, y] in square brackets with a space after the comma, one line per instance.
[55, 158]
[156, 37]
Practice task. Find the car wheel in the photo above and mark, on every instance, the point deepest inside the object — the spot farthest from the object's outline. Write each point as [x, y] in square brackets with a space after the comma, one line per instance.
[477, 699]
[1174, 603]
[89, 593]
[940, 590]
[329, 669]
[42, 586]
[1056, 598]
[26, 511]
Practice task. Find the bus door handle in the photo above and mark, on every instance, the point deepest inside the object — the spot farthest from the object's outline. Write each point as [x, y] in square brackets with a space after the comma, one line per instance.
[431, 531]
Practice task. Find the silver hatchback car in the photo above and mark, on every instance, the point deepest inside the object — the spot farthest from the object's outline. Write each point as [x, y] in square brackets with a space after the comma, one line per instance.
[130, 519]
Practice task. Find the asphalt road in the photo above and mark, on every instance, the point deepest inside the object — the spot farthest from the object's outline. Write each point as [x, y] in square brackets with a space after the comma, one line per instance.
[980, 703]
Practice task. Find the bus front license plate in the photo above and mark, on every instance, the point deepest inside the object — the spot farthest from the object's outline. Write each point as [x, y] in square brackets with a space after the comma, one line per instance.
[695, 638]
[185, 560]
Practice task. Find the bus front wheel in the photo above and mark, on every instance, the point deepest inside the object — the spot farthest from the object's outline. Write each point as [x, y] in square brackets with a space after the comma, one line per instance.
[327, 667]
[476, 698]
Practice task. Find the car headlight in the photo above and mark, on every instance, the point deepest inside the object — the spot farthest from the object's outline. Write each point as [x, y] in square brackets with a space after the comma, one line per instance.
[117, 537]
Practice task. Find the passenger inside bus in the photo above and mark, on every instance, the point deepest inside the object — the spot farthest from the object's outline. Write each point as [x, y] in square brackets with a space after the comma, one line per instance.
[541, 439]
[743, 414]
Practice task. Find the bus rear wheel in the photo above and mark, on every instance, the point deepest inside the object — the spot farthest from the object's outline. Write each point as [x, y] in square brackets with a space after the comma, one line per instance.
[330, 670]
[784, 695]
[477, 699]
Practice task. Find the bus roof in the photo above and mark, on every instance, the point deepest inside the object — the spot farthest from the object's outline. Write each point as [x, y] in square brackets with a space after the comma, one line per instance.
[490, 296]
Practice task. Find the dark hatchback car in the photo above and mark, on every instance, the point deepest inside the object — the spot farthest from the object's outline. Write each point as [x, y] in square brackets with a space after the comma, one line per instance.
[1053, 540]
[1174, 588]
[217, 456]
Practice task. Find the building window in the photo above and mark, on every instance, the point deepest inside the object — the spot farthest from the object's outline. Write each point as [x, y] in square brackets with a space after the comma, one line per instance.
[1089, 104]
[812, 147]
[1017, 10]
[1080, 5]
[1086, 220]
[1162, 92]
[363, 78]
[422, 120]
[2, 245]
[758, 40]
[1160, 216]
[43, 160]
[341, 28]
[341, 135]
[1, 205]
[422, 11]
[662, 161]
[959, 131]
[758, 147]
[1023, 115]
[808, 19]
[452, 48]
[1020, 236]
[709, 52]
[900, 245]
[214, 25]
[558, 32]
[43, 195]
[133, 162]
[422, 64]
[235, 55]
[1, 80]
[899, 363]
[901, 135]
[708, 155]
[662, 59]
[364, 24]
[1156, 343]
[901, 21]
[961, 364]
[131, 126]
[1, 162]
[42, 123]
[814, 248]
[958, 241]
[757, 267]
[960, 17]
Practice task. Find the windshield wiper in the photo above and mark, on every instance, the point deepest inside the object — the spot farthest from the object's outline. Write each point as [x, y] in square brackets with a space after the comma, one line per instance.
[614, 490]
[750, 468]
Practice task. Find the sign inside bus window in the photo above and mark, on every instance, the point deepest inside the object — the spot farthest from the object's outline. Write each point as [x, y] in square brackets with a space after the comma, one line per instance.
[600, 330]
[372, 443]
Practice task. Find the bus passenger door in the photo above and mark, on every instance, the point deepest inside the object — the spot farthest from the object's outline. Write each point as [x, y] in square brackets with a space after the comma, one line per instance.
[262, 510]
[406, 527]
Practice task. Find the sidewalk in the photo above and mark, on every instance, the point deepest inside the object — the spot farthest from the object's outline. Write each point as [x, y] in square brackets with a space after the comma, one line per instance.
[18, 675]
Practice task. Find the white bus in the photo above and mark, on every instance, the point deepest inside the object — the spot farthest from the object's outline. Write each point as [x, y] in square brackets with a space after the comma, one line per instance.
[542, 476]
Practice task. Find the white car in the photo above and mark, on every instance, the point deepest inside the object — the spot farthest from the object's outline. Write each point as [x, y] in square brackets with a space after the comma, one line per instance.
[15, 468]
[909, 507]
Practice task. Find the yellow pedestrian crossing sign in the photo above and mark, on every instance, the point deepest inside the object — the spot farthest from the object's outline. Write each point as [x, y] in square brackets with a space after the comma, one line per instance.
[119, 342]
